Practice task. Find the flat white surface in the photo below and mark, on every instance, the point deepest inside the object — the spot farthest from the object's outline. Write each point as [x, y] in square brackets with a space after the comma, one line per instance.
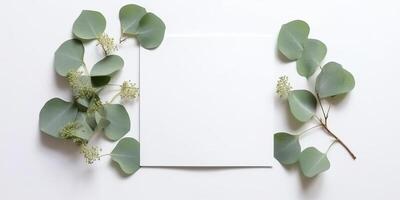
[204, 101]
[363, 35]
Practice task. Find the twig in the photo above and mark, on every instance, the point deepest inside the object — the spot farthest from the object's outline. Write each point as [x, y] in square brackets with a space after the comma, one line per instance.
[325, 127]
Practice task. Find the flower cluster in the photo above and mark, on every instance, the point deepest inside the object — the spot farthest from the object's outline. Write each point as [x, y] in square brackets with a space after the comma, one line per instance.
[95, 105]
[107, 43]
[283, 87]
[91, 153]
[80, 85]
[68, 132]
[129, 91]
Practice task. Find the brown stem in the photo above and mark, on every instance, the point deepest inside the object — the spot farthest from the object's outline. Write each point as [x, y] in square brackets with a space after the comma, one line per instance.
[322, 109]
[325, 127]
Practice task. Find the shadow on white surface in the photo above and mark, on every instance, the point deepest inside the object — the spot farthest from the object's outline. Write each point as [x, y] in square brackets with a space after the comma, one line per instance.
[63, 147]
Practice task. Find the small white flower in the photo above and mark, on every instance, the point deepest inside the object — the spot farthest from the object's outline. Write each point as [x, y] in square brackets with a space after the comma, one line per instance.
[107, 43]
[91, 153]
[129, 91]
[283, 87]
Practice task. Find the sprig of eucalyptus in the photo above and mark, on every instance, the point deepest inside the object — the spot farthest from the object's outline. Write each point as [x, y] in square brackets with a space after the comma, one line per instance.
[86, 114]
[332, 80]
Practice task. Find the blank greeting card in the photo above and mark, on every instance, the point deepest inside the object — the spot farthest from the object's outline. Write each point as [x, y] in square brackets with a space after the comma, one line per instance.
[207, 101]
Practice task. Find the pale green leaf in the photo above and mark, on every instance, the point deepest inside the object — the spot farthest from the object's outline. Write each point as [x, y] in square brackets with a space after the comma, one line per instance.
[68, 57]
[89, 25]
[151, 31]
[313, 54]
[313, 162]
[286, 148]
[84, 131]
[127, 155]
[291, 38]
[334, 80]
[107, 66]
[55, 114]
[129, 17]
[302, 104]
[119, 122]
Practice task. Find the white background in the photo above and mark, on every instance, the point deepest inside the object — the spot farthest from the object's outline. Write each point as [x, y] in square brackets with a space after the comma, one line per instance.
[362, 35]
[192, 108]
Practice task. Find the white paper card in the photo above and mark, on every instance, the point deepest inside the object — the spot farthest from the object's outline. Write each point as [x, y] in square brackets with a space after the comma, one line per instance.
[207, 101]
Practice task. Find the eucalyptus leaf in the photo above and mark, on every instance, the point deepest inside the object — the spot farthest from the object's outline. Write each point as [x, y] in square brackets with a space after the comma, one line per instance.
[127, 155]
[313, 54]
[100, 81]
[84, 131]
[129, 17]
[150, 32]
[91, 121]
[82, 104]
[313, 162]
[89, 25]
[286, 148]
[291, 38]
[120, 123]
[107, 66]
[101, 122]
[334, 80]
[55, 114]
[68, 57]
[302, 104]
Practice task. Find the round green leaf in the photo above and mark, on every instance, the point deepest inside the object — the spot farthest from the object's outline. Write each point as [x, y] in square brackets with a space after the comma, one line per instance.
[286, 148]
[127, 155]
[313, 162]
[55, 114]
[333, 80]
[119, 122]
[68, 57]
[129, 17]
[313, 54]
[151, 31]
[291, 38]
[303, 104]
[107, 66]
[89, 25]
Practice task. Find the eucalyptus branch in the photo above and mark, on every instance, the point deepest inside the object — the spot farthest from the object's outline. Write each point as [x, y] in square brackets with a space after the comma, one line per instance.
[325, 127]
[303, 103]
[322, 109]
[85, 115]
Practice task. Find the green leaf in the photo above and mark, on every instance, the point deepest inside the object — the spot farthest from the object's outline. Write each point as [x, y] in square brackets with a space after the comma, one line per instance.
[286, 148]
[313, 54]
[303, 104]
[129, 17]
[89, 25]
[291, 38]
[334, 80]
[120, 123]
[312, 162]
[127, 155]
[99, 81]
[55, 114]
[84, 131]
[82, 104]
[101, 122]
[68, 57]
[151, 31]
[107, 66]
